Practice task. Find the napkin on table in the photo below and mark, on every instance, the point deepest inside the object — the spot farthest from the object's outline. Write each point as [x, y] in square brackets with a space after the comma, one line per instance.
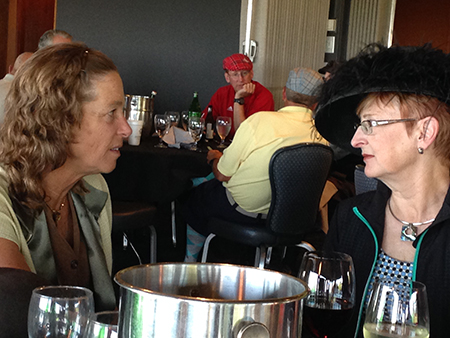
[176, 136]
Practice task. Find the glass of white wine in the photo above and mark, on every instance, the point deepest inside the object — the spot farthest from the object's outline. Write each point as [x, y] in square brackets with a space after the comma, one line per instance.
[223, 127]
[103, 325]
[396, 311]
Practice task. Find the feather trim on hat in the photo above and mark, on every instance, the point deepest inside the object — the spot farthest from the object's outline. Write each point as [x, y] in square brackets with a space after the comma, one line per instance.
[416, 70]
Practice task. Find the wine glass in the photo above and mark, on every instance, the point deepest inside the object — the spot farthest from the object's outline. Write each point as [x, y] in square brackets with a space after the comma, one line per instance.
[185, 119]
[59, 311]
[174, 117]
[223, 127]
[103, 325]
[331, 279]
[162, 125]
[196, 125]
[395, 311]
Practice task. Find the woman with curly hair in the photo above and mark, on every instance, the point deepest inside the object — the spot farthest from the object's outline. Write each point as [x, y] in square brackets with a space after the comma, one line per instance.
[392, 105]
[64, 125]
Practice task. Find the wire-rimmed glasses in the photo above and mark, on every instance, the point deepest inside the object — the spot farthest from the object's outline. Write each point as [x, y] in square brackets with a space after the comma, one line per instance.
[367, 125]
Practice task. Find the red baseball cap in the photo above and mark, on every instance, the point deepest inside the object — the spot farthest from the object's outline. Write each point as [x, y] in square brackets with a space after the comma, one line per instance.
[237, 62]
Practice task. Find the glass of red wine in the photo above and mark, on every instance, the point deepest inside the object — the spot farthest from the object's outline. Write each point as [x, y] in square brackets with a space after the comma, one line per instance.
[331, 279]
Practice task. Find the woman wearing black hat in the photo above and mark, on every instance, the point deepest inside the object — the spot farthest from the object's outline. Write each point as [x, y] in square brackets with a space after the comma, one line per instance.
[397, 99]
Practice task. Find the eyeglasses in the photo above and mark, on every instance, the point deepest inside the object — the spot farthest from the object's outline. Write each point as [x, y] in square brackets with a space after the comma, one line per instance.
[367, 125]
[243, 73]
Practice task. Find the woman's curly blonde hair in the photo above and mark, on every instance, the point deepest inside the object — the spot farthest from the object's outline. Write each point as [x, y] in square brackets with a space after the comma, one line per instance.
[42, 109]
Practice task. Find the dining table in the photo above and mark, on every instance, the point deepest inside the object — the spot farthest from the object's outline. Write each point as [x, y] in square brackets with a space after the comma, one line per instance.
[152, 174]
[159, 176]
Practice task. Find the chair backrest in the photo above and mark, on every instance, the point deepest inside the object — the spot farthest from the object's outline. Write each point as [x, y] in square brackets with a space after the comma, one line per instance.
[298, 175]
[362, 182]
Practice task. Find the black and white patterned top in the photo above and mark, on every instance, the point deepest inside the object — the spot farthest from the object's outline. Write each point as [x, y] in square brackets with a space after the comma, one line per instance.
[393, 272]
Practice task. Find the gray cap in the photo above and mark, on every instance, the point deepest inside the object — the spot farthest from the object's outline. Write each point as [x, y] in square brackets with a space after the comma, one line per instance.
[304, 81]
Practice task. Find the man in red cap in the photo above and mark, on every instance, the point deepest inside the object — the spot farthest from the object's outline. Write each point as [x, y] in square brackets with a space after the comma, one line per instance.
[242, 97]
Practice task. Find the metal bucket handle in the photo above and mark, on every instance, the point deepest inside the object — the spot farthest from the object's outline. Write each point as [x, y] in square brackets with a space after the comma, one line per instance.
[253, 330]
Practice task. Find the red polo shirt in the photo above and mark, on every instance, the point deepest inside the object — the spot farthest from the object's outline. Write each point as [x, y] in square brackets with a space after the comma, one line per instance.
[223, 101]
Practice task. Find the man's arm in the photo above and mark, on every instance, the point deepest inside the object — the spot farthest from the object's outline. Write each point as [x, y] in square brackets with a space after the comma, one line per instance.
[238, 109]
[213, 158]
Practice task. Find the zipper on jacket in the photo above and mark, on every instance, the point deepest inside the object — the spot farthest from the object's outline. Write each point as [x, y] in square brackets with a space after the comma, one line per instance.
[416, 255]
[361, 307]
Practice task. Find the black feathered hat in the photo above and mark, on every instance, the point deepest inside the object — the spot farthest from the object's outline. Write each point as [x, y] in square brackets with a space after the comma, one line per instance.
[416, 70]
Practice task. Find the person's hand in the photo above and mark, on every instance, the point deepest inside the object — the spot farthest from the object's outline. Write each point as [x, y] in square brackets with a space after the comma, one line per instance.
[247, 90]
[212, 155]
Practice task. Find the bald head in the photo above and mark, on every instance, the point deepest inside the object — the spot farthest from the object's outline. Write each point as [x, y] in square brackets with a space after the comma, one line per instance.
[20, 60]
[54, 36]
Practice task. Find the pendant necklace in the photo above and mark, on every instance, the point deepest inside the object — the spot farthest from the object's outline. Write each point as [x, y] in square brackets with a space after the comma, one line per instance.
[409, 230]
[56, 214]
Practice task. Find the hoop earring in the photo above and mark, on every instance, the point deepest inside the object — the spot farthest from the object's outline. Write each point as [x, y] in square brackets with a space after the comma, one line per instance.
[420, 150]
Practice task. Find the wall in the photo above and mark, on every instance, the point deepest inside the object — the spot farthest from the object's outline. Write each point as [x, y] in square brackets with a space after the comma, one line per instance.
[174, 47]
[22, 22]
[288, 34]
[421, 21]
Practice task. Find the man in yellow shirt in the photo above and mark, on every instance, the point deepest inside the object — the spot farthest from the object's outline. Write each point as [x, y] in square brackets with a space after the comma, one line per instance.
[241, 189]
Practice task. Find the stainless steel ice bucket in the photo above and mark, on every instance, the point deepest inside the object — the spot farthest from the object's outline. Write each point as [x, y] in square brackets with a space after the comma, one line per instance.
[208, 300]
[140, 108]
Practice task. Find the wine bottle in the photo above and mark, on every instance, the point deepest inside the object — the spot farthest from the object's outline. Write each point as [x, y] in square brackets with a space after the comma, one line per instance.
[194, 109]
[209, 124]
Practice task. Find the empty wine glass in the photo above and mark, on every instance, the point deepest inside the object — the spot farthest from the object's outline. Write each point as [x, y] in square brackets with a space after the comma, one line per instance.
[397, 311]
[196, 125]
[103, 325]
[185, 119]
[223, 127]
[174, 117]
[162, 125]
[59, 311]
[331, 279]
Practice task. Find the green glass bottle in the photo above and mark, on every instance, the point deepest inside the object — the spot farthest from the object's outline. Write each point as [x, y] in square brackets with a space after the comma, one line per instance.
[194, 108]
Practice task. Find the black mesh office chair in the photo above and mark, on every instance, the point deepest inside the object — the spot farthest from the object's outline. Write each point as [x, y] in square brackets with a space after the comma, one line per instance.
[362, 182]
[298, 175]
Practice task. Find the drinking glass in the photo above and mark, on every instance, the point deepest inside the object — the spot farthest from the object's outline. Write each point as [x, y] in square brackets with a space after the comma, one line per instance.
[331, 279]
[174, 117]
[195, 126]
[223, 127]
[162, 125]
[59, 311]
[103, 325]
[185, 119]
[397, 311]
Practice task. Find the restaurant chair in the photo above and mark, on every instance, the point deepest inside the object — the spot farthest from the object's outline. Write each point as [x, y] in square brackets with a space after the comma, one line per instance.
[16, 287]
[362, 182]
[128, 216]
[297, 177]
